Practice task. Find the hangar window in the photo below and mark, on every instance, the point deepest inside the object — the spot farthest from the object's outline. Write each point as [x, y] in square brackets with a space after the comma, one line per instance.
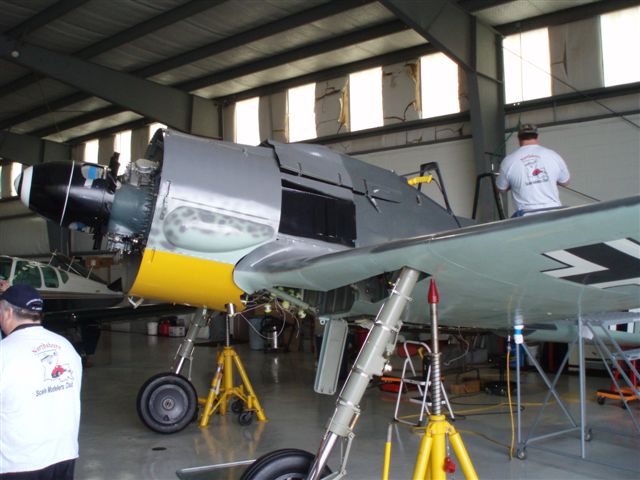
[311, 214]
[619, 31]
[247, 128]
[527, 66]
[438, 85]
[365, 99]
[27, 273]
[301, 116]
[122, 145]
[91, 152]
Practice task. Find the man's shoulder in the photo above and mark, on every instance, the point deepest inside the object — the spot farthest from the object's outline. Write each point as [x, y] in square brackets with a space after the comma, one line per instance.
[546, 150]
[37, 337]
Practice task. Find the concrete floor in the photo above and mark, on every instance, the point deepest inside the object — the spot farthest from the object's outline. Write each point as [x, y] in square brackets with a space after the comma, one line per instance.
[114, 444]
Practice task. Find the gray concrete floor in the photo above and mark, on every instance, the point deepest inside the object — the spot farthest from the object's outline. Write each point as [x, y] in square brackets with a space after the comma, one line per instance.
[114, 444]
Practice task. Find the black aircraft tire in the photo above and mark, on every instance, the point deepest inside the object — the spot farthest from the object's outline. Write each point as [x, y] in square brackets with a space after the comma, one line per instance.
[285, 464]
[167, 403]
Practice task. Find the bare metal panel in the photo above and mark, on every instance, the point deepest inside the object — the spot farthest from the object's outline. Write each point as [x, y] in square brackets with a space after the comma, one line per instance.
[199, 193]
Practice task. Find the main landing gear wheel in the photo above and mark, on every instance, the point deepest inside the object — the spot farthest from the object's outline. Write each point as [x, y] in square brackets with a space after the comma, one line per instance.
[521, 453]
[285, 464]
[167, 403]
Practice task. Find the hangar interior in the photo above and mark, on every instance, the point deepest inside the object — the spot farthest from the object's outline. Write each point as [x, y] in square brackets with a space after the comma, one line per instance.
[84, 79]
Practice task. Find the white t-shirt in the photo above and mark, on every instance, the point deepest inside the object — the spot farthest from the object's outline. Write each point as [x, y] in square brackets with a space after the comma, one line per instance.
[40, 380]
[533, 172]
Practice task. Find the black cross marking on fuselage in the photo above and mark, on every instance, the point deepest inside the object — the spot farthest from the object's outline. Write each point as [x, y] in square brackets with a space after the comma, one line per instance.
[618, 265]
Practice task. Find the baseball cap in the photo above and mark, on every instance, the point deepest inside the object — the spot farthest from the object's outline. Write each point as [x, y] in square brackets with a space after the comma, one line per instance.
[528, 129]
[23, 296]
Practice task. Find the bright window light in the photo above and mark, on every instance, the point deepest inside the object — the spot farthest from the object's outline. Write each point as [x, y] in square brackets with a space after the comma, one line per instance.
[365, 99]
[247, 127]
[620, 32]
[91, 152]
[527, 66]
[122, 145]
[16, 169]
[154, 127]
[439, 85]
[301, 102]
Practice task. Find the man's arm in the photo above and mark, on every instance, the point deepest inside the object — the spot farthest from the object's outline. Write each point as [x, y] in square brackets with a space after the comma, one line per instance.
[563, 174]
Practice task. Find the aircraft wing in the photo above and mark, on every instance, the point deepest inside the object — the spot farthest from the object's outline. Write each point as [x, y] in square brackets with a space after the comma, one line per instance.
[542, 268]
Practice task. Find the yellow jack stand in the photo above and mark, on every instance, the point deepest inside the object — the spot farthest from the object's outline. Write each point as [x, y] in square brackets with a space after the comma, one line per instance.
[432, 457]
[223, 389]
[433, 462]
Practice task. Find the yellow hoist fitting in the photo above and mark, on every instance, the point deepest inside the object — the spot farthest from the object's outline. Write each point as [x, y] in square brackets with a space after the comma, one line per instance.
[418, 180]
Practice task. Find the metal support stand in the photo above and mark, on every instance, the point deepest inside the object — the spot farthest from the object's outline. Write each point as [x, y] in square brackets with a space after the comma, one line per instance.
[222, 387]
[596, 329]
[370, 361]
[551, 386]
[432, 456]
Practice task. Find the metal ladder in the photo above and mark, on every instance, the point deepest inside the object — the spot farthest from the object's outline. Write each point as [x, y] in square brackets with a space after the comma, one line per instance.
[422, 382]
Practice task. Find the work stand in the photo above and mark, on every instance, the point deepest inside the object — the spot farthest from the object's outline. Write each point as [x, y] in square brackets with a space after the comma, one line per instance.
[613, 357]
[551, 391]
[223, 390]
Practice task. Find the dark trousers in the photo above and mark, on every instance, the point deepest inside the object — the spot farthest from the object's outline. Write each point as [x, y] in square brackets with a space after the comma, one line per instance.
[57, 471]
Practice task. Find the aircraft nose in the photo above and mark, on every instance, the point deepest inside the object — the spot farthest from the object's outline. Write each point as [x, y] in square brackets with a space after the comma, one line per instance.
[70, 194]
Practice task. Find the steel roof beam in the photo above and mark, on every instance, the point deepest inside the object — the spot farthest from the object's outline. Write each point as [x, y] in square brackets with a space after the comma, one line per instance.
[44, 17]
[477, 48]
[568, 15]
[31, 150]
[252, 67]
[130, 34]
[180, 110]
[258, 33]
[300, 53]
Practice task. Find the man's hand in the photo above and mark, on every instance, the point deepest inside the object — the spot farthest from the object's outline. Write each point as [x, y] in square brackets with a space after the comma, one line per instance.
[4, 285]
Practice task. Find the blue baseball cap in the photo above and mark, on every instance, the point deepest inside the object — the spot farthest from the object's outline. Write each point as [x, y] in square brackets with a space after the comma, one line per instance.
[23, 296]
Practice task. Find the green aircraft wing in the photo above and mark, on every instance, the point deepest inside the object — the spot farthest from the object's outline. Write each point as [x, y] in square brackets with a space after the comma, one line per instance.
[540, 268]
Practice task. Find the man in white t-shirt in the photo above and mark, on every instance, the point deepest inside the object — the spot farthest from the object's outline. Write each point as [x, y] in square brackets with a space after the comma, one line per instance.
[533, 174]
[40, 379]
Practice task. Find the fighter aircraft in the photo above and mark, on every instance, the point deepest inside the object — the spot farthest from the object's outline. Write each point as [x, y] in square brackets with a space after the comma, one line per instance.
[217, 222]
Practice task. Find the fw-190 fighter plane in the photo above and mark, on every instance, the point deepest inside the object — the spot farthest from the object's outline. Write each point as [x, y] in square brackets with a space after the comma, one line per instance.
[215, 222]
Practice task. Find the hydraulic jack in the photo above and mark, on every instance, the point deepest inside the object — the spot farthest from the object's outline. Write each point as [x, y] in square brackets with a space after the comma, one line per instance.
[246, 403]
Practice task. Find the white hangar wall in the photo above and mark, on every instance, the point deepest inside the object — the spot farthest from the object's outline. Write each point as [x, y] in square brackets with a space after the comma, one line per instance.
[603, 156]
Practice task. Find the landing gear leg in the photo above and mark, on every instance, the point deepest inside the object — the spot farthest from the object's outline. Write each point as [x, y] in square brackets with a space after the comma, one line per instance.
[370, 361]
